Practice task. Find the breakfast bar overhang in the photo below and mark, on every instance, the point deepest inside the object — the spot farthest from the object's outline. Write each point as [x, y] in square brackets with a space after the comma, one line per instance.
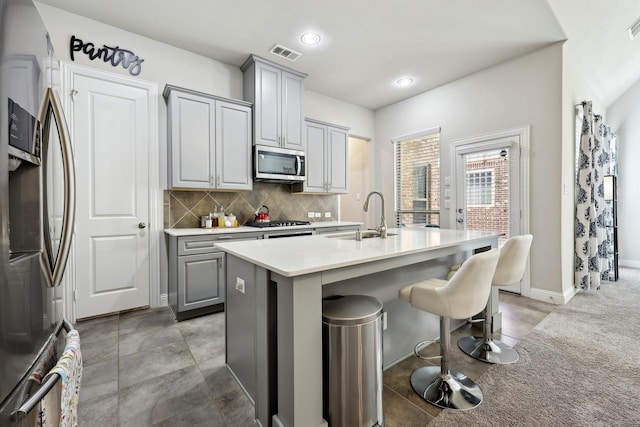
[274, 297]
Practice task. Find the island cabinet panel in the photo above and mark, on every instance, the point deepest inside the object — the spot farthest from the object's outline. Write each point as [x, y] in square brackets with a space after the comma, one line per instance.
[241, 324]
[277, 94]
[327, 149]
[209, 141]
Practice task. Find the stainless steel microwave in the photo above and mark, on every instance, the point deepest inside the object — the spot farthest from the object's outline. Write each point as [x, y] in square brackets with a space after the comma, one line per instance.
[273, 164]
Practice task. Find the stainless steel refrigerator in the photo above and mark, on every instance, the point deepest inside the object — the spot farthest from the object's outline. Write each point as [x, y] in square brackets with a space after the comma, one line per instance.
[36, 204]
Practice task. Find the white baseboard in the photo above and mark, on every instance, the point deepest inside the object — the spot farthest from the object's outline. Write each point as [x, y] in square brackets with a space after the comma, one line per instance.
[164, 300]
[552, 297]
[629, 263]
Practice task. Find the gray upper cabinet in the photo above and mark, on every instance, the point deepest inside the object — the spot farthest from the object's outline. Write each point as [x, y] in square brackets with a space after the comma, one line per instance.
[277, 94]
[209, 141]
[327, 152]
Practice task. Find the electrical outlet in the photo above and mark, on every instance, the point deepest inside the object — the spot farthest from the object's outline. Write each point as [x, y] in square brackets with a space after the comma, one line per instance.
[447, 193]
[327, 214]
[310, 214]
[240, 284]
[318, 215]
[447, 180]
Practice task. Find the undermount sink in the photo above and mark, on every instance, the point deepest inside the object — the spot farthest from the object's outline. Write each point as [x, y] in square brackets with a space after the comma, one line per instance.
[352, 235]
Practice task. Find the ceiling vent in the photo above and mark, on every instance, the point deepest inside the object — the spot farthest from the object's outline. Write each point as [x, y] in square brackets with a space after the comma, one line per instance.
[285, 52]
[634, 29]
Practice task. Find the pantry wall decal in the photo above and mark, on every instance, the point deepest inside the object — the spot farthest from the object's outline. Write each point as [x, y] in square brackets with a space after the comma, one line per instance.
[114, 55]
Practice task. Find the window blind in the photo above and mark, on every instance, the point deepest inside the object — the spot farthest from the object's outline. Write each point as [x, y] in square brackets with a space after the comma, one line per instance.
[417, 178]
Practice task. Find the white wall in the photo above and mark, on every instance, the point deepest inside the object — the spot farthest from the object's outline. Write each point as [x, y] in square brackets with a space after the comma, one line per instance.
[624, 118]
[361, 121]
[524, 91]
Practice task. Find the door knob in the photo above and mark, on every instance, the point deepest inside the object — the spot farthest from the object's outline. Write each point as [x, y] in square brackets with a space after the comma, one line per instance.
[142, 225]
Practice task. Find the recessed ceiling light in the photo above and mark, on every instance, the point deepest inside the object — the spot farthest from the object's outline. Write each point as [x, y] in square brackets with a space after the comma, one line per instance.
[310, 38]
[404, 82]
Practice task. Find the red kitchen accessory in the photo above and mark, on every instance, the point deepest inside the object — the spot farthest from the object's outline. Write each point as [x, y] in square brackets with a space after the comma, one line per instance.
[262, 215]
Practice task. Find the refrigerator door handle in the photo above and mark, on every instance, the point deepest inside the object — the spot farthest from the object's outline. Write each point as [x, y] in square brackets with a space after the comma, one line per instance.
[53, 263]
[31, 402]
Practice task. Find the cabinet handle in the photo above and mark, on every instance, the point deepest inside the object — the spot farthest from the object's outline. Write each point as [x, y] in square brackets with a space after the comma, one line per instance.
[198, 245]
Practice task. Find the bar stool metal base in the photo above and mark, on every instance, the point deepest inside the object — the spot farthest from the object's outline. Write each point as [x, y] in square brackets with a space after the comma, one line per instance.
[453, 390]
[490, 351]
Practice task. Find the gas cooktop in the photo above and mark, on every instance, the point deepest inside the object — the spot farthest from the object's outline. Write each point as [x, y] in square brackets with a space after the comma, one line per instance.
[284, 223]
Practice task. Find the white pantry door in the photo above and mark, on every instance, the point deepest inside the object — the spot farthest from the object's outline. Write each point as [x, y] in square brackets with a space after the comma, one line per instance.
[110, 132]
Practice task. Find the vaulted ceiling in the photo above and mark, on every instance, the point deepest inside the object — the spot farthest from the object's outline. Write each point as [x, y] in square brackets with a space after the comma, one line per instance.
[368, 44]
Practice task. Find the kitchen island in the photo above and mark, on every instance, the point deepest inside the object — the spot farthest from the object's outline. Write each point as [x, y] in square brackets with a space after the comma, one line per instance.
[274, 306]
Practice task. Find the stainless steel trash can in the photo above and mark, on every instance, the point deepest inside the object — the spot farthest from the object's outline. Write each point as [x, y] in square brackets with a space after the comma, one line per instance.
[352, 361]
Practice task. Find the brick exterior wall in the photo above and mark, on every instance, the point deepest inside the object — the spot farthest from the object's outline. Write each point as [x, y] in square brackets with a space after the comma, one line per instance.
[495, 217]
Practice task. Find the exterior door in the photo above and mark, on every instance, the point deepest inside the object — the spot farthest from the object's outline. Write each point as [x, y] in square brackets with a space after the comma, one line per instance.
[488, 190]
[110, 127]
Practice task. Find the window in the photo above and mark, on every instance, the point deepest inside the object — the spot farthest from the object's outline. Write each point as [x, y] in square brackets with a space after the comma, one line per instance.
[417, 167]
[480, 188]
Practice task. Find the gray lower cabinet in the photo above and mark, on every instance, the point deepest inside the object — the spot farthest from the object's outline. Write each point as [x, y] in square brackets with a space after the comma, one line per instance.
[197, 274]
[200, 281]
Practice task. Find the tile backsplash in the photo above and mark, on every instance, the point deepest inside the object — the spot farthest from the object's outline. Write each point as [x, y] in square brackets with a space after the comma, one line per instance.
[182, 209]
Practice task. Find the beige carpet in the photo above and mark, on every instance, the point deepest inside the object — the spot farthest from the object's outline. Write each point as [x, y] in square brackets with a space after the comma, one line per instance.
[579, 367]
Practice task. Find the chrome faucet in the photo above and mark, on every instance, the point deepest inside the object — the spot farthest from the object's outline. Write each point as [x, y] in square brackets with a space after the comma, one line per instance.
[382, 228]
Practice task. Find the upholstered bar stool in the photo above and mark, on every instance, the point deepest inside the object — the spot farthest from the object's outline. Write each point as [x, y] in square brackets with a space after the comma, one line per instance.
[510, 269]
[463, 296]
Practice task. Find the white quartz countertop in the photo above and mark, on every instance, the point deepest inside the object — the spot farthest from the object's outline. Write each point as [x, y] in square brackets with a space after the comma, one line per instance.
[296, 256]
[180, 232]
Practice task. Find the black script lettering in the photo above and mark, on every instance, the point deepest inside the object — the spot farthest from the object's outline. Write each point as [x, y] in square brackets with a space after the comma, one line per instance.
[103, 52]
[136, 66]
[113, 55]
[74, 46]
[88, 50]
[122, 58]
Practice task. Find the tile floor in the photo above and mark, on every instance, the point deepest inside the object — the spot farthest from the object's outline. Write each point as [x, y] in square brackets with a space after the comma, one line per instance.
[144, 368]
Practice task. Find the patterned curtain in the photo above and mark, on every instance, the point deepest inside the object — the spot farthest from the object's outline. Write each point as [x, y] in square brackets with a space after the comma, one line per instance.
[591, 237]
